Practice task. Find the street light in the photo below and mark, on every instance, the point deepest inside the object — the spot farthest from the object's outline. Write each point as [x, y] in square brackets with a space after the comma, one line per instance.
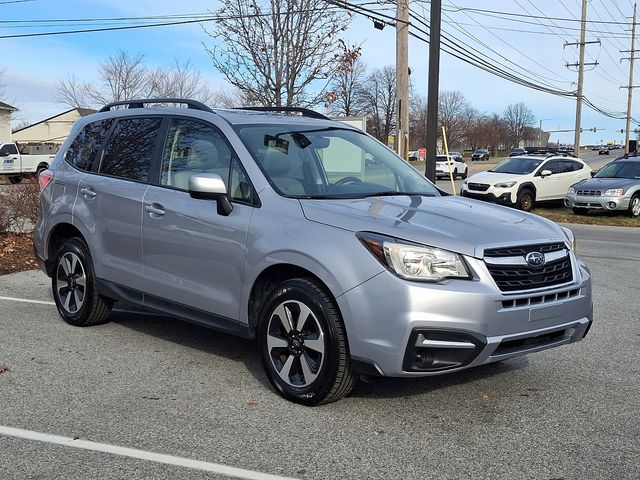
[540, 131]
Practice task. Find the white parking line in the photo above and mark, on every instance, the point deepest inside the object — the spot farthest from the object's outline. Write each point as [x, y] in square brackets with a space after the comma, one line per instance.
[139, 454]
[26, 300]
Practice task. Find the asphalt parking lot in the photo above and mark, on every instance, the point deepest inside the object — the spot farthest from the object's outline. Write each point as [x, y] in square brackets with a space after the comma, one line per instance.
[168, 388]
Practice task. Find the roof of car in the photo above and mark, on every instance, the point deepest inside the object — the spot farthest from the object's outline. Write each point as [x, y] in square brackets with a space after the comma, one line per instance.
[234, 116]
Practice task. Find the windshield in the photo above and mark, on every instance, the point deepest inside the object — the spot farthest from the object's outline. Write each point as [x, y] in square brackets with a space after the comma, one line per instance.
[619, 170]
[517, 165]
[303, 162]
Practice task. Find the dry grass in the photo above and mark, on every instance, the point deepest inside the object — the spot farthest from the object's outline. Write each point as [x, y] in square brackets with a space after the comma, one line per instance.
[565, 215]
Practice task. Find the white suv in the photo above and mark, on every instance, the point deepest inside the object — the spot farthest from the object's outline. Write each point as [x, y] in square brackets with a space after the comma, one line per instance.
[456, 163]
[521, 181]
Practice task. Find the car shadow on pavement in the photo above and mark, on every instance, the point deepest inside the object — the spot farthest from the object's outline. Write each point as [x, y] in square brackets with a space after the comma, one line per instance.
[183, 333]
[389, 387]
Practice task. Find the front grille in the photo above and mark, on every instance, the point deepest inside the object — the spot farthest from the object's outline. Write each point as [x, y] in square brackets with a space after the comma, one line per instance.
[511, 273]
[523, 250]
[528, 343]
[540, 299]
[480, 187]
[589, 193]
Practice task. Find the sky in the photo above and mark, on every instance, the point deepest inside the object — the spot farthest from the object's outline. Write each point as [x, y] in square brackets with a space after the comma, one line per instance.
[532, 47]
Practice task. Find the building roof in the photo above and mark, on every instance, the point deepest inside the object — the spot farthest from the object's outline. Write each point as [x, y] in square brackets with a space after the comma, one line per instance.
[6, 106]
[83, 112]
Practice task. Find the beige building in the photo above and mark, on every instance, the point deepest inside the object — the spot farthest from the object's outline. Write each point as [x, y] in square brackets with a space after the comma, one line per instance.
[55, 129]
[5, 121]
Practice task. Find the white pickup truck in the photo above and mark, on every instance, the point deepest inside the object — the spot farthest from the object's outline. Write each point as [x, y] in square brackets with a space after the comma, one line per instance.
[17, 166]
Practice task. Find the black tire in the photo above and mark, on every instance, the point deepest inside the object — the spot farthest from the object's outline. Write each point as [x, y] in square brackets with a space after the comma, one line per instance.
[79, 305]
[580, 211]
[329, 371]
[15, 179]
[464, 174]
[39, 171]
[455, 173]
[526, 200]
[634, 206]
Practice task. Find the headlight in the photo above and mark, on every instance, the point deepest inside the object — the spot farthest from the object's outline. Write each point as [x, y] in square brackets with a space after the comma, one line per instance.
[571, 237]
[614, 192]
[415, 262]
[505, 185]
[571, 190]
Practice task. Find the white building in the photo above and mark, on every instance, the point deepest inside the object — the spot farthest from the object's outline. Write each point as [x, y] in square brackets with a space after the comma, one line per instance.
[54, 129]
[5, 121]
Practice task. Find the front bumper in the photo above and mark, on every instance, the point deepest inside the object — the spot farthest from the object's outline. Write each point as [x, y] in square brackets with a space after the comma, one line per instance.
[390, 320]
[597, 202]
[494, 195]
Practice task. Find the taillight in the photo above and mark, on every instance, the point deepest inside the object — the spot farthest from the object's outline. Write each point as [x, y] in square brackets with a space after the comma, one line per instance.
[44, 179]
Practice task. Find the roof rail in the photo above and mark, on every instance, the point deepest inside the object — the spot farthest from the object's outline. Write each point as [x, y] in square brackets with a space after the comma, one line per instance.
[139, 103]
[306, 112]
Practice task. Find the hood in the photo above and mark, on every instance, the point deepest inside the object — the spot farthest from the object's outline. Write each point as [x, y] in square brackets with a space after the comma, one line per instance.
[492, 178]
[606, 183]
[458, 224]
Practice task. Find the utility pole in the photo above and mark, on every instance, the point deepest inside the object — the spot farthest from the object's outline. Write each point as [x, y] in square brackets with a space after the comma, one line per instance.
[431, 143]
[583, 31]
[402, 78]
[630, 86]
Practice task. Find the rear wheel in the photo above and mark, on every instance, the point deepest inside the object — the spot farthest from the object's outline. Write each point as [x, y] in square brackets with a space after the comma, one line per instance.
[74, 286]
[580, 211]
[634, 206]
[464, 174]
[303, 344]
[525, 200]
[455, 174]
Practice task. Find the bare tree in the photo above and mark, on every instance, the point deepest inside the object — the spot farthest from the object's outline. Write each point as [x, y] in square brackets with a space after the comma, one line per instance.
[274, 51]
[487, 131]
[379, 100]
[179, 81]
[453, 114]
[518, 117]
[123, 76]
[417, 122]
[343, 97]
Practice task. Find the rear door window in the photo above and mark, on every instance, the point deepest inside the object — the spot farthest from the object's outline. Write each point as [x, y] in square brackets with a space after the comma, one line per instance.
[84, 149]
[129, 151]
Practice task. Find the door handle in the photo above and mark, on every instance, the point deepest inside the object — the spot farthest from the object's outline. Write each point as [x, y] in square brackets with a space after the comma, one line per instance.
[88, 193]
[155, 210]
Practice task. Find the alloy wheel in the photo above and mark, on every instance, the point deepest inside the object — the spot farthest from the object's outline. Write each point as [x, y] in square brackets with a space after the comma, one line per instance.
[295, 343]
[71, 282]
[635, 206]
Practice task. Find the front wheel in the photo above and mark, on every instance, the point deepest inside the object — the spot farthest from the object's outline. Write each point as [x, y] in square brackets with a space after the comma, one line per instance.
[525, 200]
[303, 344]
[634, 206]
[74, 286]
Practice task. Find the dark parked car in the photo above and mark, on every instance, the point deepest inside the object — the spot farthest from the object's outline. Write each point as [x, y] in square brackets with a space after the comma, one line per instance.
[517, 152]
[480, 154]
[616, 186]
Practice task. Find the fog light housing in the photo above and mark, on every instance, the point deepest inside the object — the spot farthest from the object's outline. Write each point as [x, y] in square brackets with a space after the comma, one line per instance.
[611, 205]
[432, 350]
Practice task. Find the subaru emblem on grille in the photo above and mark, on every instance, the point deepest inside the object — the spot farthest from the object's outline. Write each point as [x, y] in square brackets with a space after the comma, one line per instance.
[535, 259]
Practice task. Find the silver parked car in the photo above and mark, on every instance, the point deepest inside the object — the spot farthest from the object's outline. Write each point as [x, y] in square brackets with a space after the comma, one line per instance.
[305, 234]
[616, 187]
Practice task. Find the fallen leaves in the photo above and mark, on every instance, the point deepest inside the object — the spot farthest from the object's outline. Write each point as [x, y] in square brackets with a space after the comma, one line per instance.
[4, 368]
[16, 253]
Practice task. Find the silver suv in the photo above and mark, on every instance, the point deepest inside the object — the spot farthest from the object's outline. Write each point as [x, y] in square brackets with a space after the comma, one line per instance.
[304, 234]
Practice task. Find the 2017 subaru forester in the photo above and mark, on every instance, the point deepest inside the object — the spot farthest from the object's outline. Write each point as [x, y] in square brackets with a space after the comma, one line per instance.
[304, 233]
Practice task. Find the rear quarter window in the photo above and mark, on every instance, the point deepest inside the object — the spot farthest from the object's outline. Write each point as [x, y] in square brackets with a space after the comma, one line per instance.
[129, 150]
[85, 147]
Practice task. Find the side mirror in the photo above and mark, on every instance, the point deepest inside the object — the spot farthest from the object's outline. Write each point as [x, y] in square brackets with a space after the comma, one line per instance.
[545, 173]
[210, 186]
